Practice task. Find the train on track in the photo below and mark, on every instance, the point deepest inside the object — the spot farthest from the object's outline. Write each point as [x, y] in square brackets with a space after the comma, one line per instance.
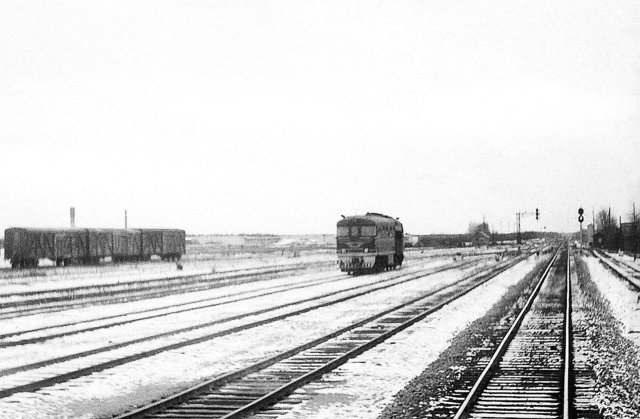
[369, 243]
[80, 246]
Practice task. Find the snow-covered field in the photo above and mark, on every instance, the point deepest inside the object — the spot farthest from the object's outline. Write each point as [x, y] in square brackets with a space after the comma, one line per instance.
[114, 389]
[363, 386]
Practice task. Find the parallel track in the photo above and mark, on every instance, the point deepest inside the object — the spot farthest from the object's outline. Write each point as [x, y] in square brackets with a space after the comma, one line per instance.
[624, 270]
[45, 301]
[63, 373]
[49, 332]
[529, 375]
[241, 392]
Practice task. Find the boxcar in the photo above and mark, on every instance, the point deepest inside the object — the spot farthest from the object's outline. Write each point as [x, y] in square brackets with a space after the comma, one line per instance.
[369, 243]
[127, 245]
[169, 244]
[25, 246]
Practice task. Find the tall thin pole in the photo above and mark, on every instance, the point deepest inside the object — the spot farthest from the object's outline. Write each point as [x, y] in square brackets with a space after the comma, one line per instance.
[125, 219]
[72, 216]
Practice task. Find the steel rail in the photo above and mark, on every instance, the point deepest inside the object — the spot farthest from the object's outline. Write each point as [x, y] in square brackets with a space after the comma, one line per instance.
[616, 267]
[255, 293]
[32, 386]
[566, 391]
[136, 294]
[450, 293]
[474, 393]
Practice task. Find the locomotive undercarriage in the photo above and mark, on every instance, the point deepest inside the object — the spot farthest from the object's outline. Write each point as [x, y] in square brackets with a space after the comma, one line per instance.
[369, 263]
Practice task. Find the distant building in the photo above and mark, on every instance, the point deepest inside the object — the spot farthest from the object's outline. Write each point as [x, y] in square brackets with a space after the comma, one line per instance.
[630, 237]
[481, 238]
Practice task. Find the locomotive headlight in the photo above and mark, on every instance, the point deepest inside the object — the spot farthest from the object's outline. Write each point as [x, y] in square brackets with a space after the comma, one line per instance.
[366, 250]
[344, 250]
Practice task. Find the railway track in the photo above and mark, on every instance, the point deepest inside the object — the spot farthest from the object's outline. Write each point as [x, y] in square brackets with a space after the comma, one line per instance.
[58, 330]
[624, 270]
[50, 300]
[529, 374]
[63, 368]
[241, 392]
[44, 333]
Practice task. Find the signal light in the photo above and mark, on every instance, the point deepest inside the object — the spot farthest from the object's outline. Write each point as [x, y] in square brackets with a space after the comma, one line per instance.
[537, 214]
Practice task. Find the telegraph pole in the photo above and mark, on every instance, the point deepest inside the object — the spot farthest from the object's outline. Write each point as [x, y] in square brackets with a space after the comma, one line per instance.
[519, 216]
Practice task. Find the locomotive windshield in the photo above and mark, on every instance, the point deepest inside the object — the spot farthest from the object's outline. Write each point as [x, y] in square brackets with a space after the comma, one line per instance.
[343, 231]
[368, 231]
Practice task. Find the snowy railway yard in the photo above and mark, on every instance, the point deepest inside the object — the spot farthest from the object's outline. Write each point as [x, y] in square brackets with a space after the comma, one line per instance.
[296, 338]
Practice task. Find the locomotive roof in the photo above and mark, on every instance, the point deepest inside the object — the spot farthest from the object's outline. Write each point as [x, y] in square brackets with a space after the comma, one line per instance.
[370, 218]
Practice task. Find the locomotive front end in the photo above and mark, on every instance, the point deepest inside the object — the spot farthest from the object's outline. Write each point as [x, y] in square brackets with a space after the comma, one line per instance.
[356, 244]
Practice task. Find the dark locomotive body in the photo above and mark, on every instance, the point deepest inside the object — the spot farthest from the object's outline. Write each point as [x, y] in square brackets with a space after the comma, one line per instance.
[25, 246]
[369, 243]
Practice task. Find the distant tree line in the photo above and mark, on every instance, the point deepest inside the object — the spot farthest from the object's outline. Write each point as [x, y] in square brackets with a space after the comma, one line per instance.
[462, 240]
[611, 232]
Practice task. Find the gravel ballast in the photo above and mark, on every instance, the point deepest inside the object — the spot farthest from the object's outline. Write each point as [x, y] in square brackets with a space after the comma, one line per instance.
[603, 347]
[428, 395]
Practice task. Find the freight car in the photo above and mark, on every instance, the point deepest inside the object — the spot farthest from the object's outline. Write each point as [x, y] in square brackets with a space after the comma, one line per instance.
[25, 246]
[369, 243]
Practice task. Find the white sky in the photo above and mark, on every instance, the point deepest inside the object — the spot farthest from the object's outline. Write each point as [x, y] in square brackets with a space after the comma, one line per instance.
[278, 116]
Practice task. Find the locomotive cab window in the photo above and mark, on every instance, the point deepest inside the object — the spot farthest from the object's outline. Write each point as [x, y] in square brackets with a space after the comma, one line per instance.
[368, 231]
[354, 231]
[343, 231]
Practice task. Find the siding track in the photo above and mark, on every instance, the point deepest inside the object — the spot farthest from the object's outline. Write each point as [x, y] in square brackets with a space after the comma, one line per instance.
[241, 392]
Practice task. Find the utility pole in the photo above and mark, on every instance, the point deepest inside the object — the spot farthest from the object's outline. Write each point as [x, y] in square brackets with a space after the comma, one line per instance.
[72, 216]
[125, 219]
[519, 215]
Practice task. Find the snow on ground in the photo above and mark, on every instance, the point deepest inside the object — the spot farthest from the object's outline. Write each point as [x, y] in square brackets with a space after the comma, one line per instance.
[16, 281]
[622, 295]
[629, 260]
[117, 389]
[81, 276]
[363, 386]
[24, 354]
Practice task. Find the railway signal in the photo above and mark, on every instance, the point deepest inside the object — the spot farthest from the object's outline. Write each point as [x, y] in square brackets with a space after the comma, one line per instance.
[537, 214]
[580, 220]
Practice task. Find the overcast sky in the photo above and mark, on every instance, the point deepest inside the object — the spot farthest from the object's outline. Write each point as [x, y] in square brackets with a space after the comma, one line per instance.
[278, 116]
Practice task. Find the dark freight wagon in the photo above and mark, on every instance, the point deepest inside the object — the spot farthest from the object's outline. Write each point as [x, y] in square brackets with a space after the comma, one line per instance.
[168, 244]
[127, 245]
[25, 246]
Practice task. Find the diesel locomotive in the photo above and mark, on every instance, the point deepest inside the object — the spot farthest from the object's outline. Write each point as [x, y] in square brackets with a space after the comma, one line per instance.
[79, 246]
[369, 243]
